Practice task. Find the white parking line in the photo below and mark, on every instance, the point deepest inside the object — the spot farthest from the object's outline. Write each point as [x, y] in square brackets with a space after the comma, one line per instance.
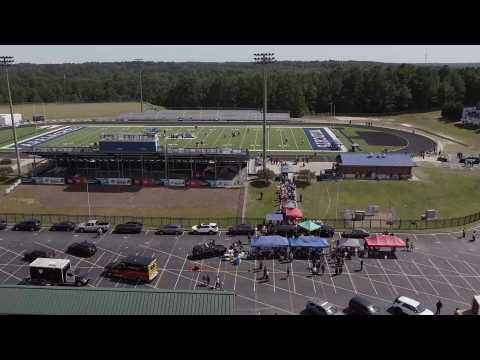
[313, 282]
[273, 274]
[180, 273]
[425, 277]
[463, 278]
[446, 280]
[235, 282]
[351, 278]
[293, 278]
[254, 276]
[327, 265]
[166, 262]
[395, 292]
[404, 274]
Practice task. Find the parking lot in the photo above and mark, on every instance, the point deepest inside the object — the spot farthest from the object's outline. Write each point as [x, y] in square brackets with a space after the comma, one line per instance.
[443, 266]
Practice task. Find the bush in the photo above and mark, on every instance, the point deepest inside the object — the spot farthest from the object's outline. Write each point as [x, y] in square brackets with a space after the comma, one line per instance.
[266, 176]
[5, 161]
[6, 170]
[452, 111]
[305, 176]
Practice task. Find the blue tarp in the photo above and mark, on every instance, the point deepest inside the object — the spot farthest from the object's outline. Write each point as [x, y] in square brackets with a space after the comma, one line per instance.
[269, 241]
[309, 241]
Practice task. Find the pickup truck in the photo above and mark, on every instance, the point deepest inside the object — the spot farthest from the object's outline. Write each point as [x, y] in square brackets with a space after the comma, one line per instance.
[93, 226]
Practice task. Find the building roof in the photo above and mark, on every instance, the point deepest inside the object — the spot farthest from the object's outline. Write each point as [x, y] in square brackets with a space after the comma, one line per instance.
[50, 263]
[40, 300]
[352, 159]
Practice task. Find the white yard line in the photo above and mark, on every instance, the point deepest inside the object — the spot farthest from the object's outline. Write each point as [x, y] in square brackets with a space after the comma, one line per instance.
[281, 138]
[294, 140]
[446, 280]
[244, 136]
[218, 137]
[408, 279]
[180, 273]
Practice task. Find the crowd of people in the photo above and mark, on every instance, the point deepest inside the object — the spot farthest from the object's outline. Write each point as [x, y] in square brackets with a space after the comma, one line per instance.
[287, 193]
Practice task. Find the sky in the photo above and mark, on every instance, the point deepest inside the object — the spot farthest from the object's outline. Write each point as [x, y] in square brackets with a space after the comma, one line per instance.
[54, 54]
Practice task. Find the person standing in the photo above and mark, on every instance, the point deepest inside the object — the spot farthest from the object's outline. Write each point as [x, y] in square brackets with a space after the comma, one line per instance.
[439, 307]
[301, 198]
[265, 272]
[260, 267]
[464, 233]
[407, 242]
[261, 195]
[323, 268]
[288, 271]
[207, 279]
[361, 265]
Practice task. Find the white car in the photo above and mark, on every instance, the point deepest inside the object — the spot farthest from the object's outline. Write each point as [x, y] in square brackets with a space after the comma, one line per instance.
[210, 228]
[228, 256]
[403, 305]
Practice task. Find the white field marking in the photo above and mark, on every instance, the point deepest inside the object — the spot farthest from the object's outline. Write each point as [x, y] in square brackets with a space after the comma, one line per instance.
[180, 273]
[281, 138]
[329, 201]
[218, 137]
[395, 292]
[244, 136]
[327, 265]
[446, 280]
[351, 278]
[424, 276]
[273, 274]
[268, 306]
[166, 262]
[407, 276]
[294, 140]
[293, 279]
[256, 135]
[463, 278]
[34, 137]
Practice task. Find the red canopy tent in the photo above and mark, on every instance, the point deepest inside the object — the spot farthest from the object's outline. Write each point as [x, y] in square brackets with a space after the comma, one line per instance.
[390, 241]
[294, 213]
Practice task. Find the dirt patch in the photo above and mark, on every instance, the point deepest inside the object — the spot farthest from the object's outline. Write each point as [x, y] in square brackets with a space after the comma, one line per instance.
[155, 202]
[376, 138]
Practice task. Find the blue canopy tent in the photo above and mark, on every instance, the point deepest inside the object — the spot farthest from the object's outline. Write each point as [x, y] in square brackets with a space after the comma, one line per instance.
[308, 242]
[273, 241]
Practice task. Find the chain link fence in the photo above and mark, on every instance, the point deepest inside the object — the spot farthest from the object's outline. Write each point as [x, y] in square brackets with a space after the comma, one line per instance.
[339, 224]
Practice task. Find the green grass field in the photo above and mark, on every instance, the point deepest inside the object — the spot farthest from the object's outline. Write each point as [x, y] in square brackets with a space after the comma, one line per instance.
[454, 192]
[278, 138]
[75, 111]
[6, 136]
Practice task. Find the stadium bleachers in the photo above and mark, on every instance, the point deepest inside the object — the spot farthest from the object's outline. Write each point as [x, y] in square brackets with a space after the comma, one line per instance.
[202, 115]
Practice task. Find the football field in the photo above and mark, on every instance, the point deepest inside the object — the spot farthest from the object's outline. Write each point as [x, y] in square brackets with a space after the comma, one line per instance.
[279, 139]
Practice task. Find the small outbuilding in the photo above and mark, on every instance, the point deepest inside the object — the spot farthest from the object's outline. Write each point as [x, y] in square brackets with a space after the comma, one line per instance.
[381, 166]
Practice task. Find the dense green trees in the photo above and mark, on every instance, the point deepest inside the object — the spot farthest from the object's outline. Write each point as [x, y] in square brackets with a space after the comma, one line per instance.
[452, 111]
[298, 87]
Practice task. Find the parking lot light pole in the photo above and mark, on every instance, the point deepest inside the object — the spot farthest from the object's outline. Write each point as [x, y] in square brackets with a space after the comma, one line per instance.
[264, 59]
[6, 61]
[141, 87]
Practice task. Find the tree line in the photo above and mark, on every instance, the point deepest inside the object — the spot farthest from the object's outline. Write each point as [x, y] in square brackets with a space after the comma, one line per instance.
[298, 87]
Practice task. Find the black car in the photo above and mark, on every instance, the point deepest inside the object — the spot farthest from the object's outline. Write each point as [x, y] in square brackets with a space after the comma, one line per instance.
[285, 229]
[129, 228]
[63, 226]
[207, 250]
[355, 234]
[28, 225]
[171, 229]
[82, 249]
[32, 255]
[472, 159]
[326, 231]
[361, 306]
[241, 229]
[321, 308]
[3, 224]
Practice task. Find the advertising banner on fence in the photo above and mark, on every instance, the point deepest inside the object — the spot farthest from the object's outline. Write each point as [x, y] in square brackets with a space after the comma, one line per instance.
[48, 180]
[115, 181]
[176, 182]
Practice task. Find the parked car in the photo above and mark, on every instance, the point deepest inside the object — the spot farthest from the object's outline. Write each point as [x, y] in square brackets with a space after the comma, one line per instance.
[3, 224]
[129, 228]
[82, 249]
[133, 268]
[473, 159]
[355, 234]
[285, 229]
[361, 306]
[28, 225]
[53, 272]
[210, 228]
[325, 231]
[322, 308]
[33, 255]
[171, 229]
[241, 229]
[63, 226]
[403, 305]
[208, 250]
[93, 226]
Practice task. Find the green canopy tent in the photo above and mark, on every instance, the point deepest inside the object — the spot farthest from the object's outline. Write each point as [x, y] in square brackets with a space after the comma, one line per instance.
[309, 225]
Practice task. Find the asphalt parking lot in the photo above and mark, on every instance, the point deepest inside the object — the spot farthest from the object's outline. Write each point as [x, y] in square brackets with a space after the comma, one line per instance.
[443, 266]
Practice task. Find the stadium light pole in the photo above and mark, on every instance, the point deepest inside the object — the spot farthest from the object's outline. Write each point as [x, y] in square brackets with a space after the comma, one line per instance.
[264, 59]
[141, 87]
[6, 61]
